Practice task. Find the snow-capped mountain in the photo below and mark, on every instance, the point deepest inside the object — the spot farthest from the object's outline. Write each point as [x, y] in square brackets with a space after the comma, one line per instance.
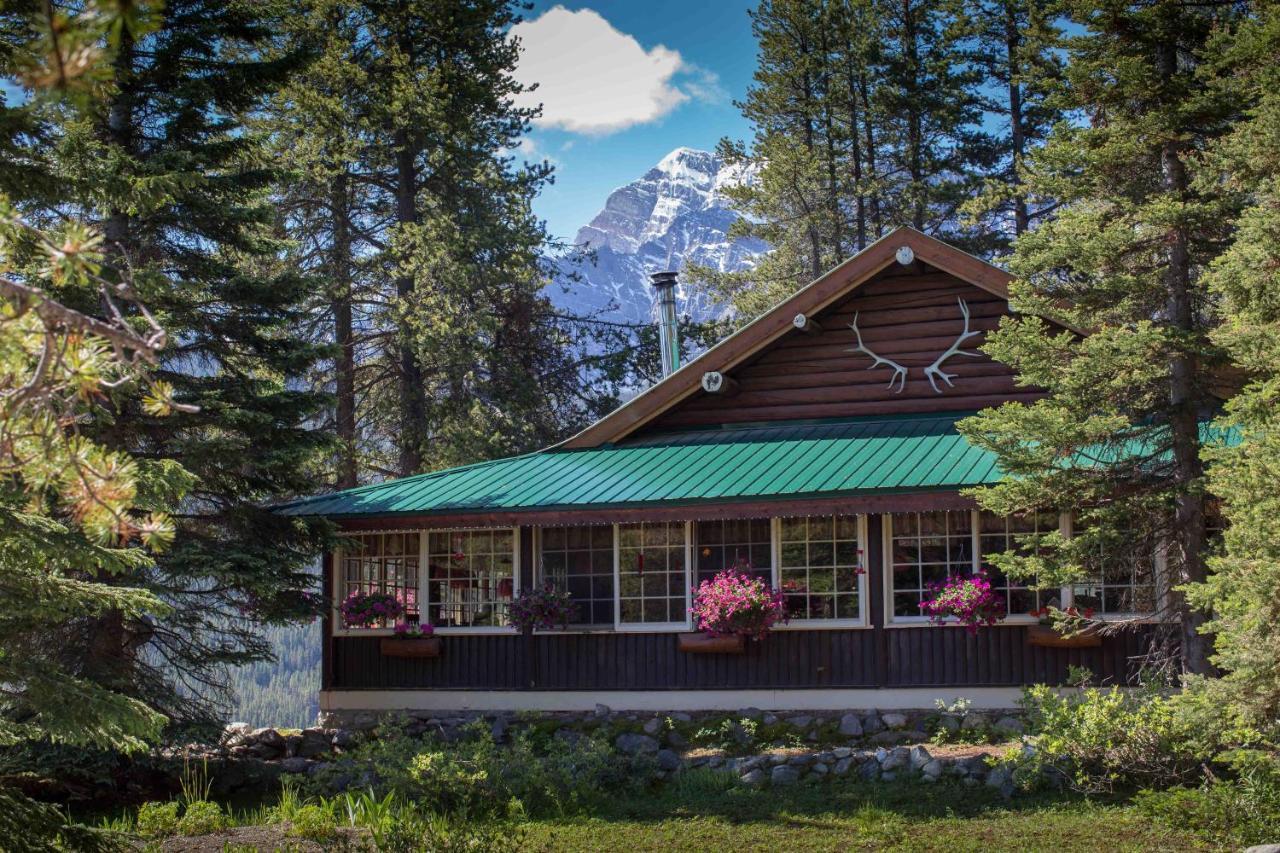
[676, 214]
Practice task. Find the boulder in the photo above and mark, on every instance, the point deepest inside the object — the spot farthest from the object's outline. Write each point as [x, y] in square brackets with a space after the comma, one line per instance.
[1001, 778]
[820, 769]
[602, 710]
[894, 720]
[803, 759]
[949, 723]
[872, 724]
[974, 720]
[635, 744]
[841, 752]
[841, 767]
[888, 738]
[652, 727]
[681, 717]
[750, 714]
[498, 729]
[850, 726]
[1263, 848]
[343, 739]
[869, 771]
[919, 757]
[784, 774]
[313, 742]
[897, 758]
[295, 765]
[769, 719]
[1010, 727]
[675, 740]
[753, 778]
[800, 721]
[668, 760]
[933, 770]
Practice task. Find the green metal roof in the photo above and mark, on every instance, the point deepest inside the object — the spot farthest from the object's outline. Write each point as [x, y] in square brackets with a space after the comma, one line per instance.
[790, 460]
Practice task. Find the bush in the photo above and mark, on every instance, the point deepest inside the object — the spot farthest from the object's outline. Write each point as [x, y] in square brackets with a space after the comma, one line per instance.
[1241, 812]
[472, 776]
[157, 820]
[313, 822]
[202, 817]
[1098, 739]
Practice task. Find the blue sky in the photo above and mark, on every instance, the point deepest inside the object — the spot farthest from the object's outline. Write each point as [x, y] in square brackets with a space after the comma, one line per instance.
[622, 92]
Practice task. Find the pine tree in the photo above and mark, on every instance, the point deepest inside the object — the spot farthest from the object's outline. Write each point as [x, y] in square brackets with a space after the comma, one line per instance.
[180, 188]
[865, 117]
[1015, 46]
[75, 516]
[410, 211]
[1243, 592]
[1118, 436]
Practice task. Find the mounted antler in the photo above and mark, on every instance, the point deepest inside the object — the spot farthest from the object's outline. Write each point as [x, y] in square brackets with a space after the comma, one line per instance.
[899, 372]
[935, 371]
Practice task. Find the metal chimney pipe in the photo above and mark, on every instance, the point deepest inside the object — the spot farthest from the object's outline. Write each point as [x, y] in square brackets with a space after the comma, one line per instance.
[668, 331]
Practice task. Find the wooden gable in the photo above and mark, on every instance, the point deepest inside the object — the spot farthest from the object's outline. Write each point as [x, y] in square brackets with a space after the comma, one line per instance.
[909, 316]
[911, 310]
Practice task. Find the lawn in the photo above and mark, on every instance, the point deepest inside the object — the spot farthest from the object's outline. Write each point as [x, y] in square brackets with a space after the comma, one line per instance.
[702, 815]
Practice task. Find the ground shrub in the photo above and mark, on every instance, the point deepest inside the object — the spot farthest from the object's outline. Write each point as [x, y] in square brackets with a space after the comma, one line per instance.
[201, 817]
[474, 776]
[156, 820]
[1101, 739]
[313, 822]
[1240, 811]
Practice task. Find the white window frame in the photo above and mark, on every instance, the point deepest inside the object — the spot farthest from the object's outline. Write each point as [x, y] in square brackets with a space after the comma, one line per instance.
[539, 578]
[825, 624]
[1160, 579]
[886, 548]
[652, 627]
[423, 603]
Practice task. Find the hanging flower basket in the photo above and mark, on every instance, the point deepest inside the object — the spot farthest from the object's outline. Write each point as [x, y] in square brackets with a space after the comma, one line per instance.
[411, 641]
[1049, 637]
[705, 644]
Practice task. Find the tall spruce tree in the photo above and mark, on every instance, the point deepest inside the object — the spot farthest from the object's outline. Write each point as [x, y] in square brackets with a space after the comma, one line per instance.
[1118, 438]
[180, 188]
[1243, 592]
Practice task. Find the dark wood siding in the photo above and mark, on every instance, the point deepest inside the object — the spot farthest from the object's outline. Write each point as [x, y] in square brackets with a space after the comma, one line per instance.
[909, 318]
[915, 657]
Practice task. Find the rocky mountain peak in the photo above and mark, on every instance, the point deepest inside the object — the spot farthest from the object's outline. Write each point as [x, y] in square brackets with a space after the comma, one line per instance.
[675, 214]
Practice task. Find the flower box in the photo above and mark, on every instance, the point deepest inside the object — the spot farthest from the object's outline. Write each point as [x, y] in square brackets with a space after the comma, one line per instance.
[705, 644]
[411, 647]
[1048, 637]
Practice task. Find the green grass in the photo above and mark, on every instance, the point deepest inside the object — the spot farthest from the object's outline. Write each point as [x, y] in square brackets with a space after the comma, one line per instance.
[706, 814]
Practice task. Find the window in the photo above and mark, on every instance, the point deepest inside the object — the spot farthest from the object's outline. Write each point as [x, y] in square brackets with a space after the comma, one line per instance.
[653, 582]
[997, 534]
[382, 562]
[740, 543]
[820, 567]
[470, 578]
[1122, 568]
[925, 548]
[579, 560]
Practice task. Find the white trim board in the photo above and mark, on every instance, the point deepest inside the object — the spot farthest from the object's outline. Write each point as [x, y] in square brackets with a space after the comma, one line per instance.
[665, 700]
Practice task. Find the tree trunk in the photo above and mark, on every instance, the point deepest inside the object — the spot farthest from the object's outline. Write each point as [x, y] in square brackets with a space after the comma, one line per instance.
[915, 135]
[413, 409]
[1021, 221]
[343, 335]
[1189, 514]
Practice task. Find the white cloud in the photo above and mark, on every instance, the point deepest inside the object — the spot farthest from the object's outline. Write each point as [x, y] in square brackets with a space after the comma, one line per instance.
[594, 79]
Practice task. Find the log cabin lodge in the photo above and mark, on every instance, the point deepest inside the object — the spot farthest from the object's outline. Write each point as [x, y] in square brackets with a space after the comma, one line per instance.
[818, 443]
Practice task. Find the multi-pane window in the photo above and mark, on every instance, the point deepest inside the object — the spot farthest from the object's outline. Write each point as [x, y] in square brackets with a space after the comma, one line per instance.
[1122, 574]
[652, 578]
[820, 567]
[470, 577]
[925, 548]
[998, 534]
[382, 562]
[745, 544]
[579, 560]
